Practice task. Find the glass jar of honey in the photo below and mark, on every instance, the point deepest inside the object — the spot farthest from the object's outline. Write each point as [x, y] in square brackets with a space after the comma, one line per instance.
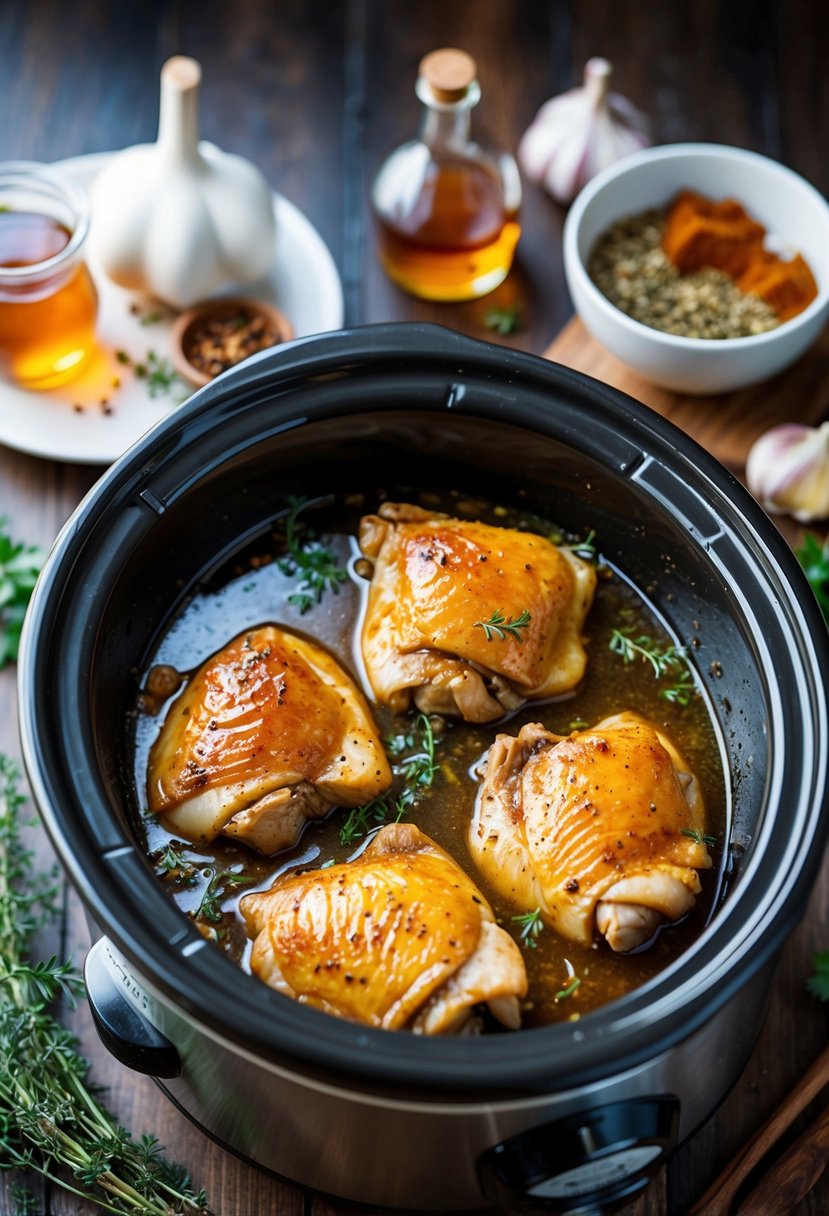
[48, 302]
[446, 203]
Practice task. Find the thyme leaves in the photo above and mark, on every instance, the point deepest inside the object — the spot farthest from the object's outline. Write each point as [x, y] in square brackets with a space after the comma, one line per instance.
[498, 626]
[52, 1121]
[417, 771]
[531, 925]
[317, 565]
[668, 663]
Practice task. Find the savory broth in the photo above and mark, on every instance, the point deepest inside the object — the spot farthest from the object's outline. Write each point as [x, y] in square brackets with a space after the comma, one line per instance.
[252, 589]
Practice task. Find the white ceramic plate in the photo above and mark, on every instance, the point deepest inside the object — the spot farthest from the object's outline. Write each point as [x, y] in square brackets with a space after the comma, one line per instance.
[303, 282]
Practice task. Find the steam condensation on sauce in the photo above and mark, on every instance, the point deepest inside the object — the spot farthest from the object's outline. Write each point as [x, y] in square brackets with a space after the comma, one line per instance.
[251, 590]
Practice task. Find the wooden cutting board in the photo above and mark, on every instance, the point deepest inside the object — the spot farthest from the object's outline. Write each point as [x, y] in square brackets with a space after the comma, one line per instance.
[726, 425]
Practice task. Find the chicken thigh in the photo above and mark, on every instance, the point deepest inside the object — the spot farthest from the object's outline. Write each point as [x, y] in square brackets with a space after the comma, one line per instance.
[438, 582]
[398, 938]
[268, 733]
[603, 830]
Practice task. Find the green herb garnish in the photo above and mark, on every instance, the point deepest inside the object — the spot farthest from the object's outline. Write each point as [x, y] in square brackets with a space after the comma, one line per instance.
[159, 373]
[666, 661]
[699, 837]
[498, 626]
[814, 558]
[19, 567]
[306, 556]
[585, 549]
[503, 320]
[51, 1121]
[569, 988]
[531, 924]
[151, 318]
[417, 771]
[818, 982]
[217, 883]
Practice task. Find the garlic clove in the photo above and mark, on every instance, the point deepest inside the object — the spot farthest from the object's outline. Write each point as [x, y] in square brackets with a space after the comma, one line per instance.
[576, 135]
[788, 471]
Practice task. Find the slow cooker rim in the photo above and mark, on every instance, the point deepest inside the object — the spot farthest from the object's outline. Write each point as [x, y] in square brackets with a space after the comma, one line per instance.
[355, 345]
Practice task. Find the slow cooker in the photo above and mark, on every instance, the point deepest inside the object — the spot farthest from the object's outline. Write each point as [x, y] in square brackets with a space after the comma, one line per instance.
[570, 1117]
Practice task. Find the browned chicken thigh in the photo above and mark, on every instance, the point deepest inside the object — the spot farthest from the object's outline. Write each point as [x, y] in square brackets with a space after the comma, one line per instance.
[398, 938]
[603, 830]
[268, 733]
[437, 582]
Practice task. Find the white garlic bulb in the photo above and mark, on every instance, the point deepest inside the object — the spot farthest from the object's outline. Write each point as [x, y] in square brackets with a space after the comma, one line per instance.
[788, 471]
[576, 135]
[178, 219]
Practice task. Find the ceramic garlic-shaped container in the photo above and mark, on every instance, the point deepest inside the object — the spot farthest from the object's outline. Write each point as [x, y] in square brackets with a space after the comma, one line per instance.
[180, 221]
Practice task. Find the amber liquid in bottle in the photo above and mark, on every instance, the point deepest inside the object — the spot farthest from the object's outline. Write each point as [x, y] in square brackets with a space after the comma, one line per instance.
[446, 205]
[47, 328]
[458, 241]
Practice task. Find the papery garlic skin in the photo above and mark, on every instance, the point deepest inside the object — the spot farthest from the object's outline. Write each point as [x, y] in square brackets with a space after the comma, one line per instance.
[576, 135]
[179, 219]
[788, 471]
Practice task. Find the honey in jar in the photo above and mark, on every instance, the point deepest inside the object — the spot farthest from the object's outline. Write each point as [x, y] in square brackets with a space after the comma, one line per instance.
[48, 302]
[446, 205]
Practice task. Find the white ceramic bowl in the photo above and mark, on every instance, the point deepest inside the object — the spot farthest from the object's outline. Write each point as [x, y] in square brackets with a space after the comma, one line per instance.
[793, 213]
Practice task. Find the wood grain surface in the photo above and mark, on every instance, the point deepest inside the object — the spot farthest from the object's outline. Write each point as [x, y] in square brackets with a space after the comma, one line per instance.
[316, 94]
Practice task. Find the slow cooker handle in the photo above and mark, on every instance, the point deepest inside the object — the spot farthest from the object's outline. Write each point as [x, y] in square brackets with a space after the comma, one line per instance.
[121, 1027]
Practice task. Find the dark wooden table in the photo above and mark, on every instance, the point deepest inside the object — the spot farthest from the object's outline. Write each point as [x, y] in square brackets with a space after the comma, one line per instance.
[316, 93]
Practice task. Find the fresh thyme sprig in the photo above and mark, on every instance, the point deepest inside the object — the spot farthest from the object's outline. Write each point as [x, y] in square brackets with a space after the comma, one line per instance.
[498, 626]
[417, 771]
[699, 837]
[318, 566]
[531, 925]
[210, 904]
[667, 661]
[51, 1121]
[19, 567]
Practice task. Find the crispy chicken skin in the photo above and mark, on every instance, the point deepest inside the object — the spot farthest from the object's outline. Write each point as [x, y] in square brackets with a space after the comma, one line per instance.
[399, 938]
[590, 828]
[268, 733]
[434, 579]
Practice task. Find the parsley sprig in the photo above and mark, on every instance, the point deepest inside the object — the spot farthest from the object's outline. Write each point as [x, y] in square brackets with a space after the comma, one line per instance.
[306, 556]
[668, 662]
[498, 626]
[417, 770]
[503, 320]
[51, 1121]
[531, 924]
[19, 567]
[814, 558]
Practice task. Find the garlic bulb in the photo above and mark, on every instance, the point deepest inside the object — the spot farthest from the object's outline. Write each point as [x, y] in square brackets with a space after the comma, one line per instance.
[788, 471]
[574, 136]
[177, 220]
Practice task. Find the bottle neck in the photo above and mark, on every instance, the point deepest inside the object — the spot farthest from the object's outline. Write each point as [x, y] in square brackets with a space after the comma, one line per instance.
[446, 126]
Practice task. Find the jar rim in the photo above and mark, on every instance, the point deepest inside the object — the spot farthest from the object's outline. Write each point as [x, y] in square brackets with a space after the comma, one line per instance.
[34, 175]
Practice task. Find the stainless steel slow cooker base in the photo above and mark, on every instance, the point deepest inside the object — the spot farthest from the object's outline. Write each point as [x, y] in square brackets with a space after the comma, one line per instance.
[433, 1156]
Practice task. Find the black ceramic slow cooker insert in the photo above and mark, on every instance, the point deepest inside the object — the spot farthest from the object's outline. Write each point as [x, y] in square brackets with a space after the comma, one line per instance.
[552, 1119]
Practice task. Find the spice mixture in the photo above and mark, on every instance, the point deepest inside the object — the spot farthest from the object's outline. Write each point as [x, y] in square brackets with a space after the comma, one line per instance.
[629, 265]
[220, 343]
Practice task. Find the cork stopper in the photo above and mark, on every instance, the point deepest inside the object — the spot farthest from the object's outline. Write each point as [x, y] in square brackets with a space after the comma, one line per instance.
[448, 73]
[182, 72]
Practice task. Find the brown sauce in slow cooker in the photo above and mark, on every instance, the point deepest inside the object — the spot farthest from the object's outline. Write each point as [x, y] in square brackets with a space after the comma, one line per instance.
[207, 883]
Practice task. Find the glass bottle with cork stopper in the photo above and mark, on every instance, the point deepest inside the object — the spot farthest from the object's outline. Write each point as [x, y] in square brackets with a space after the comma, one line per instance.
[446, 204]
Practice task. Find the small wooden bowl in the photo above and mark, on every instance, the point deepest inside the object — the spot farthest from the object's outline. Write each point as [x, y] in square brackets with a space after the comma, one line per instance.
[184, 334]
